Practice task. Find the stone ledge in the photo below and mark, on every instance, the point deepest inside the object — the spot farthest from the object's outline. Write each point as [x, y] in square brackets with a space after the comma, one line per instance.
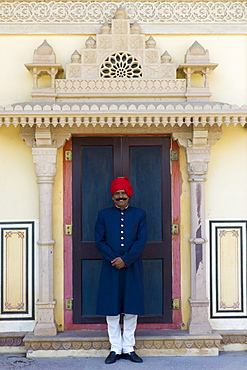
[12, 342]
[148, 343]
[233, 340]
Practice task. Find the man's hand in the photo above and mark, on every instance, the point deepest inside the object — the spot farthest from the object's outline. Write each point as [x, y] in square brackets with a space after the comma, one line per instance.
[118, 263]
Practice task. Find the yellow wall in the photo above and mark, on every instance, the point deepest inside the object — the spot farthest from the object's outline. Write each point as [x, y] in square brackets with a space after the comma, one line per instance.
[226, 197]
[19, 190]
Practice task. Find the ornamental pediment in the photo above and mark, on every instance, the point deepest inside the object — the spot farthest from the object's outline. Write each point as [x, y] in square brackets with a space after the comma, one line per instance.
[120, 61]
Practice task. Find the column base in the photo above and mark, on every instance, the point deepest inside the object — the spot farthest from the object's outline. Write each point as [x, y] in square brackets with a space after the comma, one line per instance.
[45, 329]
[46, 324]
[199, 323]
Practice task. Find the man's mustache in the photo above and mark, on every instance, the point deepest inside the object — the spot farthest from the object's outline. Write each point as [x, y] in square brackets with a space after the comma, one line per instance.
[118, 199]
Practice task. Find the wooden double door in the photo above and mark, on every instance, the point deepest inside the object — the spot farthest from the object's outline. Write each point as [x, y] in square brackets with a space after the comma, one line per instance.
[96, 162]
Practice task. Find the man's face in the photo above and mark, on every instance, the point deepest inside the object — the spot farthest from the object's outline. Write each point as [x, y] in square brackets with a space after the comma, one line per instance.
[120, 199]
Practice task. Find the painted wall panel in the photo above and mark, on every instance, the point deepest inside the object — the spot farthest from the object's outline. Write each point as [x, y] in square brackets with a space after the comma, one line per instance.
[17, 271]
[228, 269]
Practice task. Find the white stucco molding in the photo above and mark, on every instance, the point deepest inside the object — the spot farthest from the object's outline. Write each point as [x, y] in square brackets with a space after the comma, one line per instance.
[123, 114]
[81, 17]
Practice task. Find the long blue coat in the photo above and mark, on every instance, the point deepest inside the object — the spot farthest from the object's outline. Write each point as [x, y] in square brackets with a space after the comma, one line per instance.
[121, 234]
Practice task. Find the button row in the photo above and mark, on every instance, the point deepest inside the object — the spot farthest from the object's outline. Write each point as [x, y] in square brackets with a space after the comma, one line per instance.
[122, 232]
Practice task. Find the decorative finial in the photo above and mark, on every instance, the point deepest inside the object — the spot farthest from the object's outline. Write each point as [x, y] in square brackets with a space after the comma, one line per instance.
[90, 43]
[75, 57]
[120, 13]
[44, 53]
[150, 43]
[165, 57]
[105, 28]
[135, 28]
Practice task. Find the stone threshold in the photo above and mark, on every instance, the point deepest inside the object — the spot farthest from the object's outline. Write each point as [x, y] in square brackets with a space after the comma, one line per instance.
[148, 343]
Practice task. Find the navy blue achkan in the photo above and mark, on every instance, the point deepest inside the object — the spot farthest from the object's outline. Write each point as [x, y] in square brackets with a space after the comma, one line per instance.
[121, 233]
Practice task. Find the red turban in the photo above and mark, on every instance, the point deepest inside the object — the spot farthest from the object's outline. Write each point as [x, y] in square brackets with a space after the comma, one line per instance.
[121, 183]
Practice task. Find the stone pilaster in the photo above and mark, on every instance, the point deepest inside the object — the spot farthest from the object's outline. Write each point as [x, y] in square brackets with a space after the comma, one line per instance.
[197, 145]
[197, 159]
[45, 167]
[44, 143]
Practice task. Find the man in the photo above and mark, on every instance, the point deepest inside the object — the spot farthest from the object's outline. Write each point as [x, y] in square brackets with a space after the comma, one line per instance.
[121, 234]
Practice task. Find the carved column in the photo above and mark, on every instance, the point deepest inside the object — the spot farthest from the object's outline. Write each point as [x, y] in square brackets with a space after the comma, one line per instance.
[45, 143]
[45, 167]
[197, 145]
[197, 159]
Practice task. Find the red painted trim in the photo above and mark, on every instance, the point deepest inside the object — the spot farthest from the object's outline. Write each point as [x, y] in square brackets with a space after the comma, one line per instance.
[176, 274]
[67, 209]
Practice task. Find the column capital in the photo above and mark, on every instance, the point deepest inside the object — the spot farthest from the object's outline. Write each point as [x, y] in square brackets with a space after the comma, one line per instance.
[197, 136]
[45, 160]
[197, 143]
[44, 137]
[197, 160]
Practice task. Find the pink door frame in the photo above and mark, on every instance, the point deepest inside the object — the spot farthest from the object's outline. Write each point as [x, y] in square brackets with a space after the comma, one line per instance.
[68, 287]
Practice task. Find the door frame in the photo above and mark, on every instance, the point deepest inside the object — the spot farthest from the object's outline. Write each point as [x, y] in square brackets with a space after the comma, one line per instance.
[176, 271]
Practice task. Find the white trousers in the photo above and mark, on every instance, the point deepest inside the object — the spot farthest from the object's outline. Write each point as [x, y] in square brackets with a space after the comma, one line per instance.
[122, 343]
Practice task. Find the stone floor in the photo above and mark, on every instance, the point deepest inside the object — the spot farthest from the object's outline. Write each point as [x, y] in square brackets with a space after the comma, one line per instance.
[225, 361]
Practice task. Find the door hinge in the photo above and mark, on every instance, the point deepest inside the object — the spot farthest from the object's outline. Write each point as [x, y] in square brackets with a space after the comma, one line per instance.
[69, 304]
[174, 155]
[68, 155]
[174, 229]
[175, 304]
[68, 229]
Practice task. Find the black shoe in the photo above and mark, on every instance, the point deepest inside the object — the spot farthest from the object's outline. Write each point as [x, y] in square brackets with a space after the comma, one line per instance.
[132, 356]
[112, 357]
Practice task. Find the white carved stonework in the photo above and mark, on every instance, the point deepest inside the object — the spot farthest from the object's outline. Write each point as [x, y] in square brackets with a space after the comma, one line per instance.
[119, 51]
[45, 319]
[199, 317]
[53, 138]
[89, 56]
[146, 12]
[151, 72]
[45, 160]
[136, 42]
[198, 159]
[104, 41]
[44, 63]
[197, 168]
[152, 57]
[74, 71]
[120, 27]
[125, 86]
[198, 156]
[120, 43]
[197, 62]
[45, 315]
[168, 71]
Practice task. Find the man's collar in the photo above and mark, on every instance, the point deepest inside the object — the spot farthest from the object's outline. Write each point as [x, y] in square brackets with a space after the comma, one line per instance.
[120, 208]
